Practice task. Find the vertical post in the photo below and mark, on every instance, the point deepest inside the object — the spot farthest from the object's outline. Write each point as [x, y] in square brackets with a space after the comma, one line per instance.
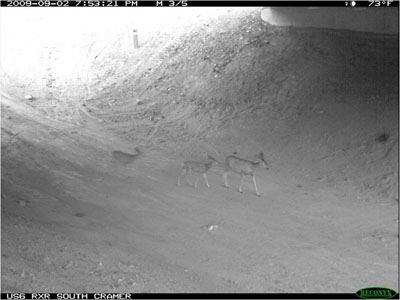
[135, 39]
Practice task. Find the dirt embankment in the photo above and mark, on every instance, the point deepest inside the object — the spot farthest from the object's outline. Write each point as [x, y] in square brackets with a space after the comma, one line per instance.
[321, 104]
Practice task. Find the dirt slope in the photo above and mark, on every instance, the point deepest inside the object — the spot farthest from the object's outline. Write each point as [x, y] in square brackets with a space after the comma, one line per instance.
[312, 99]
[321, 104]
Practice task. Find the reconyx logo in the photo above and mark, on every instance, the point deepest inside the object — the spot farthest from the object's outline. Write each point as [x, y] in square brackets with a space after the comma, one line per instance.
[376, 293]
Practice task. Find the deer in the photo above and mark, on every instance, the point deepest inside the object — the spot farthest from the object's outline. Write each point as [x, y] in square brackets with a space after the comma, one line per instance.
[126, 158]
[235, 164]
[197, 167]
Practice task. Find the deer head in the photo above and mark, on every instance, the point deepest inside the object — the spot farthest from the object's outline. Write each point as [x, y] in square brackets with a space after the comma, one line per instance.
[261, 158]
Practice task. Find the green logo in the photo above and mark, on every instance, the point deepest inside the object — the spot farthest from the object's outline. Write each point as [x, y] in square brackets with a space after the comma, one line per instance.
[376, 292]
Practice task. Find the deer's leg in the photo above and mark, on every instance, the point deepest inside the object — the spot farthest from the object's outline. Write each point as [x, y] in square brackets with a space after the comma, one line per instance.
[225, 176]
[255, 185]
[183, 173]
[188, 174]
[197, 179]
[241, 183]
[205, 178]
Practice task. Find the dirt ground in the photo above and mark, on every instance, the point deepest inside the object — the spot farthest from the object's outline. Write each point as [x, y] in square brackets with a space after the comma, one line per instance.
[321, 104]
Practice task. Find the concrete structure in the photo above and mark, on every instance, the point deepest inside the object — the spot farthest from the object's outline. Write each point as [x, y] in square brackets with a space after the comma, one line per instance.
[369, 19]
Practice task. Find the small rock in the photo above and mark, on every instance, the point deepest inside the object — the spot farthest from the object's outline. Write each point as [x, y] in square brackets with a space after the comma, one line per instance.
[100, 266]
[22, 203]
[29, 97]
[68, 265]
[54, 133]
[47, 260]
[212, 227]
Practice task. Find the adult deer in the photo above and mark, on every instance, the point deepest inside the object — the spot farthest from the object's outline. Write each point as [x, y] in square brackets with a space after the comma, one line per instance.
[197, 167]
[235, 164]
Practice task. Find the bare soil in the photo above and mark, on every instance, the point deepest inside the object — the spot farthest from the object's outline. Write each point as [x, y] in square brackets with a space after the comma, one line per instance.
[321, 104]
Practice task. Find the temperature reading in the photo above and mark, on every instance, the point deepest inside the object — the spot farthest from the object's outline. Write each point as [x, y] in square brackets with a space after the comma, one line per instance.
[379, 3]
